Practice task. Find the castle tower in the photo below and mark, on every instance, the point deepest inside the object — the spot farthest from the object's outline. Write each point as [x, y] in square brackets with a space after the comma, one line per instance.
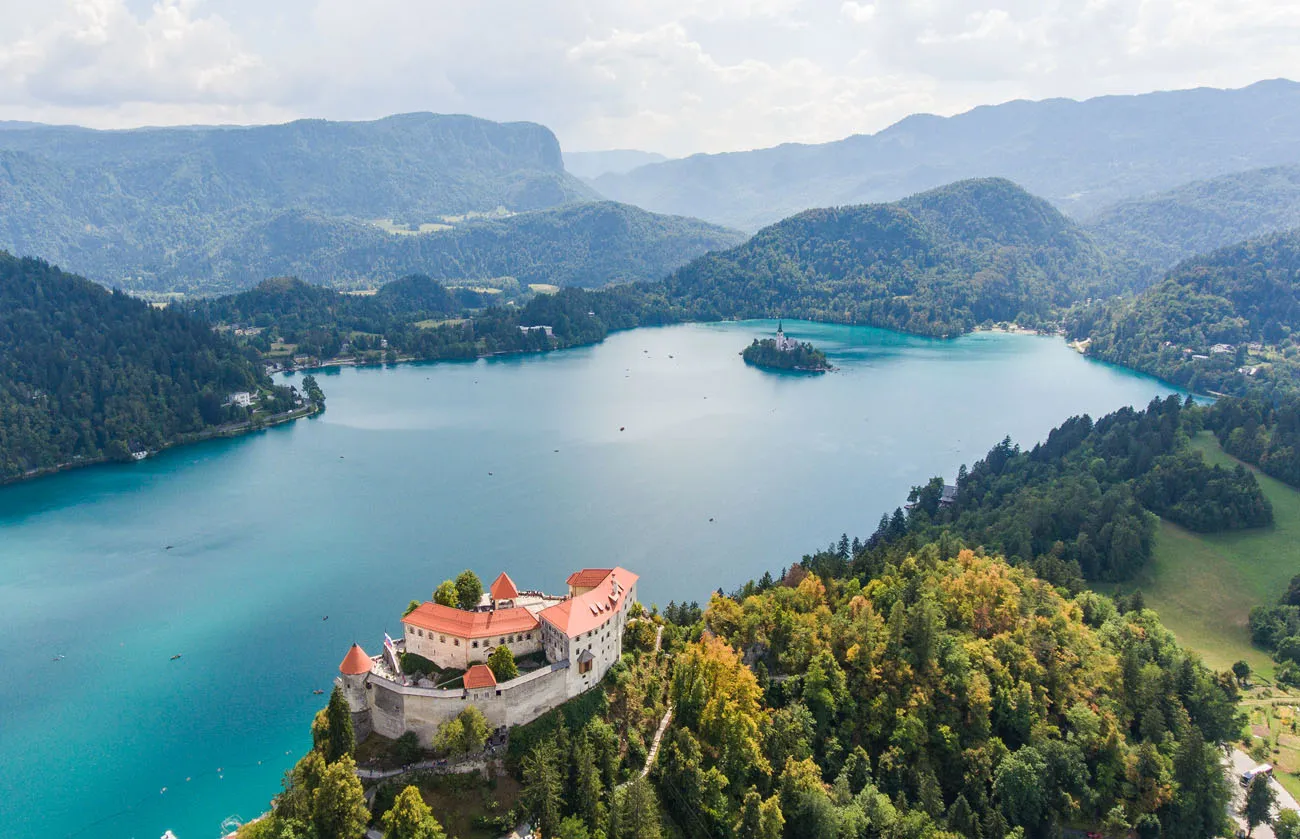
[353, 671]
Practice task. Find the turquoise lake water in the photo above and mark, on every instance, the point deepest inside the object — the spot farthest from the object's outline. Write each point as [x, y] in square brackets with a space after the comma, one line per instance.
[416, 472]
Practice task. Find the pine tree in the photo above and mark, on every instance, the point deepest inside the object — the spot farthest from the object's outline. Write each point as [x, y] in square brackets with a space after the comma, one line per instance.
[640, 811]
[542, 787]
[340, 740]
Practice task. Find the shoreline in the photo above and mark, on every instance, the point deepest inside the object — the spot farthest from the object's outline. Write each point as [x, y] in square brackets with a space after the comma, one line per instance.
[217, 433]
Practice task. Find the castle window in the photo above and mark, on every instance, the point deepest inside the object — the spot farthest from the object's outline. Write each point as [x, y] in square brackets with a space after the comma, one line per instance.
[456, 641]
[475, 645]
[529, 636]
[420, 632]
[410, 630]
[442, 639]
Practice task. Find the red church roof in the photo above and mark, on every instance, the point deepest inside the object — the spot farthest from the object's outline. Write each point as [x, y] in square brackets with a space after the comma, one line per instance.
[355, 662]
[593, 608]
[503, 588]
[480, 676]
[434, 617]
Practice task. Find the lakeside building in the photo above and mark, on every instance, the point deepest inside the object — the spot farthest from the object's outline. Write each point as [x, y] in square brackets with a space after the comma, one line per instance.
[578, 635]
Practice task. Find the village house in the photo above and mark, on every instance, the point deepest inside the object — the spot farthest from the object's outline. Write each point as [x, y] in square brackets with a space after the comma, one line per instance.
[576, 636]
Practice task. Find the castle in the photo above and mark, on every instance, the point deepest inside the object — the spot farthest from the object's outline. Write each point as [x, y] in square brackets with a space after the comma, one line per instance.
[579, 635]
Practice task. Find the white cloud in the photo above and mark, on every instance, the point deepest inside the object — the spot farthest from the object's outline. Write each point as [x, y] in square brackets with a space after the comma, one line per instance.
[676, 76]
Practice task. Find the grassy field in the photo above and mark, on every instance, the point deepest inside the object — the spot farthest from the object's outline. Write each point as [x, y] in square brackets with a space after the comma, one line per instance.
[1204, 585]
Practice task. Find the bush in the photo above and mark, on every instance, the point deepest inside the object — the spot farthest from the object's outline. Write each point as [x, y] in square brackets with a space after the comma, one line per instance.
[413, 663]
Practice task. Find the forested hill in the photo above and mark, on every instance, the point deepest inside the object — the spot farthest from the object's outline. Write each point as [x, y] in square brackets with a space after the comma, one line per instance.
[140, 208]
[1149, 235]
[87, 373]
[589, 244]
[1079, 155]
[1227, 322]
[938, 263]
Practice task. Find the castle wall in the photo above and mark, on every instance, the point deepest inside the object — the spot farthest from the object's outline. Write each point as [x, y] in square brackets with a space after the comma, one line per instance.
[396, 709]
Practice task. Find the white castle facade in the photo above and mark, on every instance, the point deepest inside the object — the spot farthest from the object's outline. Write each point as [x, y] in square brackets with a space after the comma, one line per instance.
[579, 636]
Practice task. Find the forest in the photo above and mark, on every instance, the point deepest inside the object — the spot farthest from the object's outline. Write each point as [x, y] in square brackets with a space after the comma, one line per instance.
[590, 245]
[87, 374]
[418, 318]
[1147, 236]
[916, 690]
[1266, 434]
[939, 263]
[1082, 505]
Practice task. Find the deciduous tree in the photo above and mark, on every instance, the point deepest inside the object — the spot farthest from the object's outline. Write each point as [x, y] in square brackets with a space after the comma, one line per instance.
[411, 818]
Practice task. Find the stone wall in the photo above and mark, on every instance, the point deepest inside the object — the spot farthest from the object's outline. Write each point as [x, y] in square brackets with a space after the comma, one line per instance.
[396, 709]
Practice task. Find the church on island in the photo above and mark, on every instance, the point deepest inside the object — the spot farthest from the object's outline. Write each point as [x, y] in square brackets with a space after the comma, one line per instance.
[783, 343]
[573, 639]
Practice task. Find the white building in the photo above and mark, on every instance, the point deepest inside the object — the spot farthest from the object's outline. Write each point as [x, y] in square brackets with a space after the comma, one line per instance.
[242, 398]
[783, 343]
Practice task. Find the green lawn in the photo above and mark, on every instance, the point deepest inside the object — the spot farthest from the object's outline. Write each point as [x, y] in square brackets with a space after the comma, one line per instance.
[1204, 585]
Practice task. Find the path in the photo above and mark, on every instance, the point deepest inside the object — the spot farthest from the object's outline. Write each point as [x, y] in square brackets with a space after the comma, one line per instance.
[466, 763]
[654, 744]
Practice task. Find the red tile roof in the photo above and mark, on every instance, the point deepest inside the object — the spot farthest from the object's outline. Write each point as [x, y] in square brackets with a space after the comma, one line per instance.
[588, 577]
[480, 676]
[355, 662]
[435, 617]
[503, 588]
[587, 611]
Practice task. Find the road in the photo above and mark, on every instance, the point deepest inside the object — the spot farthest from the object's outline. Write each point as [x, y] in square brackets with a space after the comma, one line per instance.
[1239, 762]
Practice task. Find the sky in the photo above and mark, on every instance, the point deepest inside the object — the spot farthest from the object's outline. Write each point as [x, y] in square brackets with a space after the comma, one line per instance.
[672, 76]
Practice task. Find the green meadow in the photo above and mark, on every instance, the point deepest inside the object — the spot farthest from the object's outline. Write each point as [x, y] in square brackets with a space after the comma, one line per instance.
[1204, 585]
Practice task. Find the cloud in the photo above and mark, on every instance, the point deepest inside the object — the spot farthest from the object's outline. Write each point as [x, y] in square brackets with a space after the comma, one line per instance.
[676, 76]
[93, 53]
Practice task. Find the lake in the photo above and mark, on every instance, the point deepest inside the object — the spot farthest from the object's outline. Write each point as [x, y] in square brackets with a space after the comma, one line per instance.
[658, 450]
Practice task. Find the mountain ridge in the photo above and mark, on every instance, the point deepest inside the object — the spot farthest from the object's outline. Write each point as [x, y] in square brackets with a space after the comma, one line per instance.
[1038, 144]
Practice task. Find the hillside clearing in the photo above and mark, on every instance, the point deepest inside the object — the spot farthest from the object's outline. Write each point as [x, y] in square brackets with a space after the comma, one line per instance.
[1204, 584]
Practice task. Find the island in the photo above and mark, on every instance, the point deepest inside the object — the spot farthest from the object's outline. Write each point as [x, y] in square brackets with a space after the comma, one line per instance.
[783, 353]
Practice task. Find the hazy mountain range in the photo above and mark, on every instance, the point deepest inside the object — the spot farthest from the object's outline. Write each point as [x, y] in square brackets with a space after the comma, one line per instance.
[1081, 156]
[593, 164]
[205, 210]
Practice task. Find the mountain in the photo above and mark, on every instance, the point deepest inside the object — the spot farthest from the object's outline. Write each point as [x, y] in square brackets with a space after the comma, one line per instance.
[86, 373]
[129, 207]
[590, 245]
[593, 164]
[1153, 233]
[1079, 155]
[937, 263]
[1226, 322]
